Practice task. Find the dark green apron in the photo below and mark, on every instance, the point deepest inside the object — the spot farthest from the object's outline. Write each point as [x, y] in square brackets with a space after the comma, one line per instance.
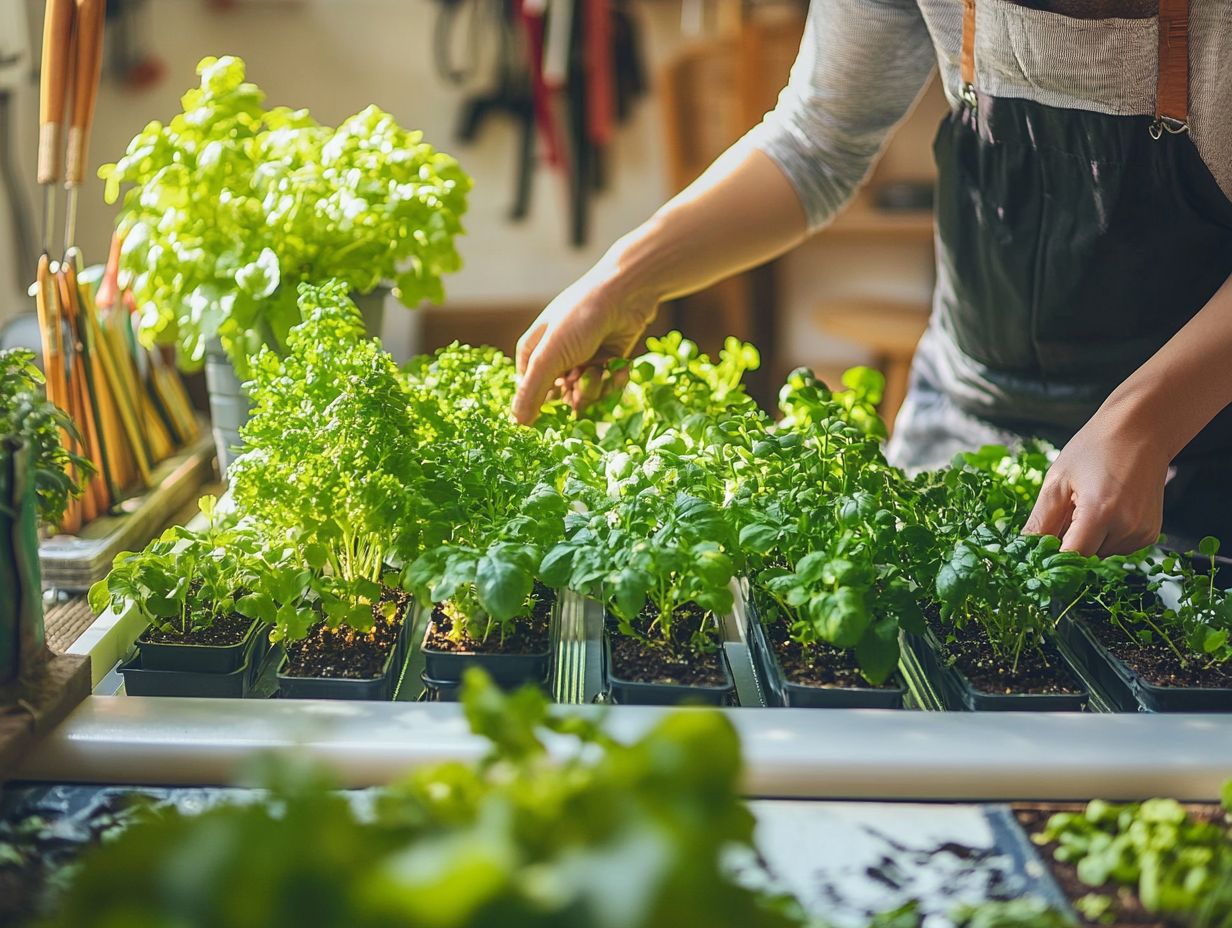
[1071, 246]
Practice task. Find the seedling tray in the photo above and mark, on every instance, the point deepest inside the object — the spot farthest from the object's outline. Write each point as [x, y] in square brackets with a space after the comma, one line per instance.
[142, 681]
[959, 695]
[196, 658]
[634, 693]
[1129, 689]
[783, 692]
[451, 690]
[379, 689]
[505, 669]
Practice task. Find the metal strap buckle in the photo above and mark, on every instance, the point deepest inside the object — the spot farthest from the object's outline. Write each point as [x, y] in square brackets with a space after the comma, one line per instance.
[968, 95]
[1167, 124]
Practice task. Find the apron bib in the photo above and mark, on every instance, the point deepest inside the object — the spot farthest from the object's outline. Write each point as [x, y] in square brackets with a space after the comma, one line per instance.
[1071, 245]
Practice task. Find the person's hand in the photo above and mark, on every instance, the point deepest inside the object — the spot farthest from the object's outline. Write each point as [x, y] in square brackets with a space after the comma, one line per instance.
[568, 347]
[1104, 494]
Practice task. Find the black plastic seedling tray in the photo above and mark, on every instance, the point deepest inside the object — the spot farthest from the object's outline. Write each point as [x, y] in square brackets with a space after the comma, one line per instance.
[451, 690]
[196, 658]
[958, 694]
[504, 669]
[783, 692]
[1129, 689]
[376, 689]
[633, 693]
[449, 667]
[142, 681]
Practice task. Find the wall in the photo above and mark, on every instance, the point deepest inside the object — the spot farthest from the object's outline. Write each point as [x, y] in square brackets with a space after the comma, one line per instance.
[336, 56]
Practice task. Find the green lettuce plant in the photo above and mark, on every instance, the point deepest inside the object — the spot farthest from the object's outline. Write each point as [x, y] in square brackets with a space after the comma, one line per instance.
[333, 465]
[230, 205]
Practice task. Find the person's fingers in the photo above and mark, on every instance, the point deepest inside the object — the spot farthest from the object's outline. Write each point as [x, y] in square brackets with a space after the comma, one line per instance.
[1053, 510]
[1087, 533]
[545, 363]
[1130, 538]
[589, 388]
[619, 379]
[527, 343]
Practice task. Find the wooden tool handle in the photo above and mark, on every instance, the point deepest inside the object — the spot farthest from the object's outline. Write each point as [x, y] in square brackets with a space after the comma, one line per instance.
[89, 42]
[53, 86]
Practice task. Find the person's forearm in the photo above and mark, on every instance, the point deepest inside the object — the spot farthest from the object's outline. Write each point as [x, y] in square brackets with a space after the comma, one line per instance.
[1184, 385]
[742, 212]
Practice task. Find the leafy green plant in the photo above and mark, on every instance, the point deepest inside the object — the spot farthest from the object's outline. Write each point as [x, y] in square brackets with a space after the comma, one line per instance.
[333, 465]
[1015, 587]
[494, 487]
[984, 572]
[27, 417]
[614, 835]
[184, 580]
[231, 205]
[1178, 865]
[820, 535]
[648, 536]
[675, 386]
[1196, 629]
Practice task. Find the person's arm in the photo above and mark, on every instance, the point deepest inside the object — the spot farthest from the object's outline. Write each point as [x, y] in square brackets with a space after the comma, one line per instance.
[1104, 493]
[861, 64]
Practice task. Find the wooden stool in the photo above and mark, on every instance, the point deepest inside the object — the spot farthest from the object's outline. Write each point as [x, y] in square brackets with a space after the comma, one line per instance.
[889, 330]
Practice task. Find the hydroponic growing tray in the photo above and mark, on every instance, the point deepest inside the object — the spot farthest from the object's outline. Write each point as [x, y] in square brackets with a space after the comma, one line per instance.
[790, 752]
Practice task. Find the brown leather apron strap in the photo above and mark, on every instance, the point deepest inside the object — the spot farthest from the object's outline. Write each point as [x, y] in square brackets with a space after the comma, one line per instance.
[968, 52]
[1172, 91]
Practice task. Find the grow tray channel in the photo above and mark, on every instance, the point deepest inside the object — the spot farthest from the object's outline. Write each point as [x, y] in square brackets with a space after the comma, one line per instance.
[410, 680]
[577, 673]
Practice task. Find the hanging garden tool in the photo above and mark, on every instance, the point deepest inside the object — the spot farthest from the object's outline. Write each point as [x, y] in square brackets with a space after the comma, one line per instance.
[580, 57]
[512, 95]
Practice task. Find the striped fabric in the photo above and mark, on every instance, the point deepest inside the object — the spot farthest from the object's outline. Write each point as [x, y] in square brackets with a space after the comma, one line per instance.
[863, 62]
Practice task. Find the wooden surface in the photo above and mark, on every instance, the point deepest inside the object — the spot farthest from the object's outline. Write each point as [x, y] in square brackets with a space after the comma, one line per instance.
[37, 702]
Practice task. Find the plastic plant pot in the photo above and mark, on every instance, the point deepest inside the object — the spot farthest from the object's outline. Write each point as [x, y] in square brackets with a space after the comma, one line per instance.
[1128, 688]
[380, 688]
[505, 669]
[375, 689]
[196, 658]
[636, 693]
[142, 681]
[451, 690]
[783, 692]
[958, 694]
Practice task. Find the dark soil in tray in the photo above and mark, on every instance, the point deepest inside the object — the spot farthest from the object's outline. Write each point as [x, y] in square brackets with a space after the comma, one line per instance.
[527, 636]
[640, 661]
[817, 664]
[1156, 662]
[344, 653]
[228, 629]
[1127, 911]
[1039, 672]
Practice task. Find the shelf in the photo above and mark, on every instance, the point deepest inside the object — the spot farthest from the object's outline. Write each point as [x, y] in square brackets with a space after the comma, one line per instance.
[863, 218]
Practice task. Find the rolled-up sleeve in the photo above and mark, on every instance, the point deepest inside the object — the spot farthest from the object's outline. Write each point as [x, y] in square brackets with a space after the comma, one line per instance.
[861, 65]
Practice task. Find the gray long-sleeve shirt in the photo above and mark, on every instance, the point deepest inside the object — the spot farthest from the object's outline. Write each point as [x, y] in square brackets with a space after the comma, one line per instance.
[863, 62]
